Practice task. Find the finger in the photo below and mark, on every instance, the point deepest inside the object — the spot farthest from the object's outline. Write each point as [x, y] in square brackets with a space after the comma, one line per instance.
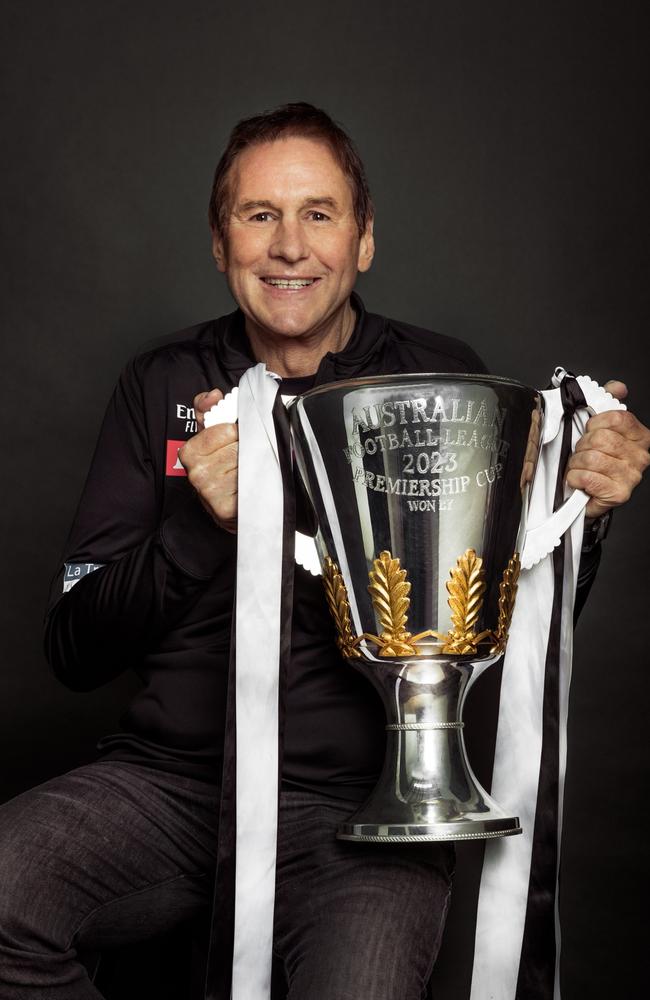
[624, 423]
[636, 458]
[616, 389]
[204, 401]
[213, 444]
[618, 470]
[218, 494]
[215, 482]
[218, 436]
[218, 491]
[612, 443]
[604, 492]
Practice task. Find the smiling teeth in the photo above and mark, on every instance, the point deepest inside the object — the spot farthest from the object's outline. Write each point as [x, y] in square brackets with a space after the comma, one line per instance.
[293, 283]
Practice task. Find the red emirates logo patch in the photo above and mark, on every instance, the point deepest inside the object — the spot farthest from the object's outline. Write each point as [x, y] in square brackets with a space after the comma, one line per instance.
[173, 466]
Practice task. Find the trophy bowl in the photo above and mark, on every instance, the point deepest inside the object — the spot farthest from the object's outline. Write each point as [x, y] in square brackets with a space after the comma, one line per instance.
[420, 488]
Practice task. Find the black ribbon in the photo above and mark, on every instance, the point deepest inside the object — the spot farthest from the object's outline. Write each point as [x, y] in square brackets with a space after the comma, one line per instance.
[536, 977]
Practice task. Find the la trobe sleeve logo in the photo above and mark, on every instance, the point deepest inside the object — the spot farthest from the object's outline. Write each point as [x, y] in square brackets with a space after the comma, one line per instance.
[73, 572]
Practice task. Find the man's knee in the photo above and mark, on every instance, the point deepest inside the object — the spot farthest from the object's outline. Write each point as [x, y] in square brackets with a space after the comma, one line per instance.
[34, 876]
[23, 900]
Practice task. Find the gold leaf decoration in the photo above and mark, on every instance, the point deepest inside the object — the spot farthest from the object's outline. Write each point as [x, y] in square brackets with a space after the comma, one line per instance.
[389, 590]
[339, 605]
[466, 588]
[507, 594]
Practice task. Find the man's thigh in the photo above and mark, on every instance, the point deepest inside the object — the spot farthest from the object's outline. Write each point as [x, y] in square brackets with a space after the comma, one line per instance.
[107, 853]
[356, 920]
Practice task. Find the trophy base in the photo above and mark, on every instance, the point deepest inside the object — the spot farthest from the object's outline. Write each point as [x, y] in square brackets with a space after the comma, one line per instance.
[411, 833]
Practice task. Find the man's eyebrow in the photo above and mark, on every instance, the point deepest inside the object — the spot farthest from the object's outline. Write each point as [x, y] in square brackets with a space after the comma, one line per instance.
[329, 202]
[248, 206]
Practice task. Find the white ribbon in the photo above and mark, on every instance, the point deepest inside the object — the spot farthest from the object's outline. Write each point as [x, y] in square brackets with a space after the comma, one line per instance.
[504, 884]
[503, 894]
[257, 638]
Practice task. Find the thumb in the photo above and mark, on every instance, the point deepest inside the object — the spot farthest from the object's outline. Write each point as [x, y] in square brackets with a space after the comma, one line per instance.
[617, 389]
[204, 401]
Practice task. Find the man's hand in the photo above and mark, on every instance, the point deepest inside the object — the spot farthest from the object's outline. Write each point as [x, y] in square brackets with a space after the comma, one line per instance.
[210, 459]
[610, 457]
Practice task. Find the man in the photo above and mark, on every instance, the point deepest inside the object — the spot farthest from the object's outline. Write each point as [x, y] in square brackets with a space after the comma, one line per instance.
[116, 850]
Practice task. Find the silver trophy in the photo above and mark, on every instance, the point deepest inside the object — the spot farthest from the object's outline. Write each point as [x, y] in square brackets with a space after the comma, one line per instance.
[420, 486]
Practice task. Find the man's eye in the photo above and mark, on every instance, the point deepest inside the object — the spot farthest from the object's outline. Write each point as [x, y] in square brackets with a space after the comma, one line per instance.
[318, 216]
[261, 217]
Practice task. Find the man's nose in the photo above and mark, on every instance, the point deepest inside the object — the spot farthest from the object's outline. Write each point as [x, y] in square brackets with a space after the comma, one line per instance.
[289, 241]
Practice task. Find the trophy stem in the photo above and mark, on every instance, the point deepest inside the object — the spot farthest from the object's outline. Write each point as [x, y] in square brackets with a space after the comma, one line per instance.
[427, 790]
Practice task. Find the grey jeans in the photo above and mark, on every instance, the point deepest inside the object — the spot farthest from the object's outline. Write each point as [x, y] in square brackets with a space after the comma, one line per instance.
[114, 852]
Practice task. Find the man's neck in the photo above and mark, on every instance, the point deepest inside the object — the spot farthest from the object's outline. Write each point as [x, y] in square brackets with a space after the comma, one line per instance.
[293, 357]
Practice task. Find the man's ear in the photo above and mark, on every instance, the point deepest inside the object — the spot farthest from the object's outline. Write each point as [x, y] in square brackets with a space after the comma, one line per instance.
[219, 250]
[366, 247]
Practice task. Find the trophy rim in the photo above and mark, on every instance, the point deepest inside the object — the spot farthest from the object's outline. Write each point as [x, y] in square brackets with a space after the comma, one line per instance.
[370, 380]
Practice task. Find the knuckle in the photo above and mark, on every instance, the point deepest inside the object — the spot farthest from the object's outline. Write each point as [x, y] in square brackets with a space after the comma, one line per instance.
[616, 419]
[626, 420]
[593, 459]
[590, 482]
[605, 439]
[221, 434]
[621, 494]
[637, 463]
[226, 433]
[637, 476]
[577, 479]
[193, 475]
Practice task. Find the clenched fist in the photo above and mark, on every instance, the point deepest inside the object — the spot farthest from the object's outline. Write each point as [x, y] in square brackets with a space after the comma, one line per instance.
[210, 459]
[610, 457]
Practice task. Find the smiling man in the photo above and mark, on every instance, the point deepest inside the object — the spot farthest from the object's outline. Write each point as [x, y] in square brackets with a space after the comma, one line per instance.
[291, 247]
[125, 847]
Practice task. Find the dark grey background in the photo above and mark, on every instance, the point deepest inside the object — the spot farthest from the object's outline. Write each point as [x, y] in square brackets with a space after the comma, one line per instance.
[506, 148]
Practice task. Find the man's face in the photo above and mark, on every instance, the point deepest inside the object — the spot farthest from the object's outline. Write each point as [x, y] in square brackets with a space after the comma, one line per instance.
[292, 250]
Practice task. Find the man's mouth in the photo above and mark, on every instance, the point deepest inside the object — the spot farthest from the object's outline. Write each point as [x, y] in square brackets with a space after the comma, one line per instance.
[289, 283]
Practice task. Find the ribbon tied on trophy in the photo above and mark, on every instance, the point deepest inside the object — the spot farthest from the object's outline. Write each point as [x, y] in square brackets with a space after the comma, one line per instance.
[439, 501]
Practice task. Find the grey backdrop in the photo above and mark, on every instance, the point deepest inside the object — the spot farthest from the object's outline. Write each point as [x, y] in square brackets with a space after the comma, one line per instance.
[506, 149]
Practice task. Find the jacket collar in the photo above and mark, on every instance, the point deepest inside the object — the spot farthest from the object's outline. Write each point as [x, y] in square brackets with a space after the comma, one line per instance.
[234, 350]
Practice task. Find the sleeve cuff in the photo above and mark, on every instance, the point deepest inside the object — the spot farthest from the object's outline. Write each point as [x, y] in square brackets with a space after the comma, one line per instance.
[596, 531]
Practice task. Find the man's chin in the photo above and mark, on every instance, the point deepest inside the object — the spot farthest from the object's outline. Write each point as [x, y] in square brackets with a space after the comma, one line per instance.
[287, 327]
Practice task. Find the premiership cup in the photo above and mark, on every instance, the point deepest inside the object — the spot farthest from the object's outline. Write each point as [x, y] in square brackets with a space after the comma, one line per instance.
[420, 488]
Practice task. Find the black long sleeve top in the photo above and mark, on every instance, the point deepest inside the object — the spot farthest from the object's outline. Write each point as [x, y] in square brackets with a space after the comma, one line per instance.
[147, 579]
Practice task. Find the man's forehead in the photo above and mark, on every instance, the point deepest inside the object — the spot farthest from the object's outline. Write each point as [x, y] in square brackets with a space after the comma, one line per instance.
[293, 168]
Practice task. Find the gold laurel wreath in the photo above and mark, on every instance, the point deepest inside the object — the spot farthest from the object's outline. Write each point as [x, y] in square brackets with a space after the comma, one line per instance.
[339, 605]
[466, 588]
[507, 594]
[389, 590]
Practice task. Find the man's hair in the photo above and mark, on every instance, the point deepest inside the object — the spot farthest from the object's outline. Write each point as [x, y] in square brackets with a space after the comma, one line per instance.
[305, 121]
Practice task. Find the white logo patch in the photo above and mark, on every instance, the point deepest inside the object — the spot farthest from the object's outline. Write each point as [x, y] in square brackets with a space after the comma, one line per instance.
[75, 571]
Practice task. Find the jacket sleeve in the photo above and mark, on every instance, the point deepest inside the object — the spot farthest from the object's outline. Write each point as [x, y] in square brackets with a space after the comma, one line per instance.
[146, 571]
[589, 563]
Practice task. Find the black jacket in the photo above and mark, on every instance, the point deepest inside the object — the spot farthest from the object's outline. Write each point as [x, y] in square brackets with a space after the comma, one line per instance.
[153, 575]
